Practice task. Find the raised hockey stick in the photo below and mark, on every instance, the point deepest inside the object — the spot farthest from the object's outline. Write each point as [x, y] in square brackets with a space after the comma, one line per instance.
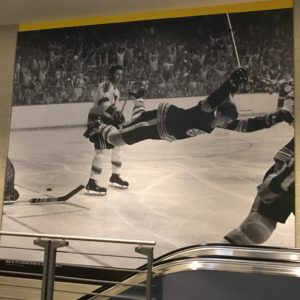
[233, 41]
[57, 199]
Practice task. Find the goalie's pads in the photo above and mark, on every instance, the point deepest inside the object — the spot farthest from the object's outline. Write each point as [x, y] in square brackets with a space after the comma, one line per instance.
[255, 229]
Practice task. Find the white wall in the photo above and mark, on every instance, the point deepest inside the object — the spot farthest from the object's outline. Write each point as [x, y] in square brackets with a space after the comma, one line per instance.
[74, 114]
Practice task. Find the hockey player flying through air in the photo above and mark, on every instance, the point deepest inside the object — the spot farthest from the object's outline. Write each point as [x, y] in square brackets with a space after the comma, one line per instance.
[169, 122]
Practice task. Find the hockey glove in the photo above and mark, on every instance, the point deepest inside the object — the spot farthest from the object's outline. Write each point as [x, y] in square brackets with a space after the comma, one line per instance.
[111, 109]
[283, 115]
[117, 116]
[138, 94]
[222, 93]
[239, 76]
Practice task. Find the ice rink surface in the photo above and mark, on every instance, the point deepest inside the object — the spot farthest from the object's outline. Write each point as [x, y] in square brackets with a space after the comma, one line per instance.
[183, 193]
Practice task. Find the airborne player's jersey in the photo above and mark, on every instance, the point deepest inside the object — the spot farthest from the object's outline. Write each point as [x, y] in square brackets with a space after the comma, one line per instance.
[168, 123]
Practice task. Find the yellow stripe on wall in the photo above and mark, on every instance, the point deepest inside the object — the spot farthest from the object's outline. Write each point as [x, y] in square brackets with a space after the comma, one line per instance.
[175, 13]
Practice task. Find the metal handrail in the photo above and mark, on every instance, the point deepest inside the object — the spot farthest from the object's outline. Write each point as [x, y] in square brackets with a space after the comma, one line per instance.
[51, 242]
[224, 264]
[78, 238]
[233, 251]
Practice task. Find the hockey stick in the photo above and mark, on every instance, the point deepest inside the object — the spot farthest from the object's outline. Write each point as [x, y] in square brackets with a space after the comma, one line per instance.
[124, 104]
[233, 40]
[57, 199]
[128, 88]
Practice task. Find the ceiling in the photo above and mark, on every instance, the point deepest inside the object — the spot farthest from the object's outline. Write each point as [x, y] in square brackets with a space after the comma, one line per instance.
[30, 11]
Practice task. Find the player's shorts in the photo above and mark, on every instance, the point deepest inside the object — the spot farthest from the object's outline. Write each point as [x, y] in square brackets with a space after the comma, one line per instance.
[142, 128]
[96, 138]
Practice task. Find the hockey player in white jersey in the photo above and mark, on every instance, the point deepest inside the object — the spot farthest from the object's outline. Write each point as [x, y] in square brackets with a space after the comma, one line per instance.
[107, 90]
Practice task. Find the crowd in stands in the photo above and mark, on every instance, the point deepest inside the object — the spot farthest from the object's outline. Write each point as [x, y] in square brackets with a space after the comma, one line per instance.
[175, 58]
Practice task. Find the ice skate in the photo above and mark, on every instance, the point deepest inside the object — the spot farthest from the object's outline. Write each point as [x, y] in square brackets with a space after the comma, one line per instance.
[116, 181]
[92, 188]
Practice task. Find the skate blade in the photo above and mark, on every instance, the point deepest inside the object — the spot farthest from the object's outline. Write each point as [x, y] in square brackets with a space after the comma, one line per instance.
[115, 185]
[10, 202]
[94, 193]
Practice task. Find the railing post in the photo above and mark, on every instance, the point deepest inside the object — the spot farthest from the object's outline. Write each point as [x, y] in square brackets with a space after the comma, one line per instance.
[148, 251]
[48, 279]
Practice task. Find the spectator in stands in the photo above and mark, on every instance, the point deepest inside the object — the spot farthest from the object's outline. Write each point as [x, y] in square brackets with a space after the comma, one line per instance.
[192, 62]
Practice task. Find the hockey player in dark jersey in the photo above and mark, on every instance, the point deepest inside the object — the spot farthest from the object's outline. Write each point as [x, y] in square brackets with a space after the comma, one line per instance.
[10, 193]
[170, 122]
[275, 199]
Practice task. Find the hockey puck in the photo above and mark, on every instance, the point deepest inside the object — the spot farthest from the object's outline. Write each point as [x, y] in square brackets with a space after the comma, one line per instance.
[49, 189]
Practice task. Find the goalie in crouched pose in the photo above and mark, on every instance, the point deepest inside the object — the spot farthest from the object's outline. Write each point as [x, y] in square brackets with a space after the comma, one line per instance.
[169, 122]
[274, 202]
[275, 198]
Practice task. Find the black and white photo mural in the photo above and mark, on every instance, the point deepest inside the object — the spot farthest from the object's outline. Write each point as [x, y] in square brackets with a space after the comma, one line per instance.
[175, 130]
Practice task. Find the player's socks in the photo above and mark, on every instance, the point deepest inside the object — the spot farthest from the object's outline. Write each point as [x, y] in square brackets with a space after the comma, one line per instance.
[117, 181]
[92, 188]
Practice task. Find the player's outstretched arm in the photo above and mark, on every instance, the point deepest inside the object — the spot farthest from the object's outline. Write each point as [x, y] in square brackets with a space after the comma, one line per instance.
[230, 86]
[260, 122]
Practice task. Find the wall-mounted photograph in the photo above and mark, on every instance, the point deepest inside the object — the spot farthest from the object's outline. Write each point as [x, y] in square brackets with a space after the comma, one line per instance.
[177, 130]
